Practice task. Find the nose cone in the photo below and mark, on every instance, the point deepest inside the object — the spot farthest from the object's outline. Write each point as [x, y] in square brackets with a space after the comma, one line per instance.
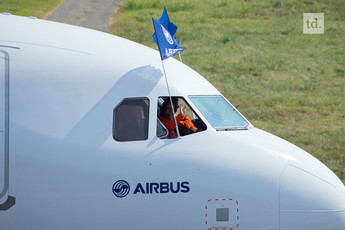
[311, 195]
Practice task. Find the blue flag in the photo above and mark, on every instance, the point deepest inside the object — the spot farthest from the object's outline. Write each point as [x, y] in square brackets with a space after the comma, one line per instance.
[165, 21]
[167, 43]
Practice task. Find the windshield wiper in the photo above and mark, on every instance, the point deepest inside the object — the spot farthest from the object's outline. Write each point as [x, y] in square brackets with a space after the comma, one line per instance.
[232, 128]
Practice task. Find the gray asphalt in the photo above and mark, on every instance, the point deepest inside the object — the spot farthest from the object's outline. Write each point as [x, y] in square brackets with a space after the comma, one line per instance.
[93, 14]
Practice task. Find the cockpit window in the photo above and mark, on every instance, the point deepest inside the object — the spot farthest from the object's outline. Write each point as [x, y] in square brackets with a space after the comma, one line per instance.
[131, 121]
[219, 113]
[188, 121]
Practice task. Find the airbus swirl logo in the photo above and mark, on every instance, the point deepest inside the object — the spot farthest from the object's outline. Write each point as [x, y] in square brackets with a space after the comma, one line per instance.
[121, 188]
[167, 36]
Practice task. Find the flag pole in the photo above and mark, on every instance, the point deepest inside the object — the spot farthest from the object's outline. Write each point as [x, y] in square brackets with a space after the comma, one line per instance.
[167, 46]
[179, 54]
[171, 103]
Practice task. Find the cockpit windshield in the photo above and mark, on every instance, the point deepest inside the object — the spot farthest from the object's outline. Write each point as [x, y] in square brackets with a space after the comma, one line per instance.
[219, 113]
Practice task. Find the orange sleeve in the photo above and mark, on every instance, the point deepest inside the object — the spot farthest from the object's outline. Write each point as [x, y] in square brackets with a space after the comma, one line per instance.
[186, 122]
[183, 122]
[170, 124]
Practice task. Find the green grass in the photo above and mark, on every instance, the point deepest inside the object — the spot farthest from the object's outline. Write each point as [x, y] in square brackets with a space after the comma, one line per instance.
[286, 82]
[36, 8]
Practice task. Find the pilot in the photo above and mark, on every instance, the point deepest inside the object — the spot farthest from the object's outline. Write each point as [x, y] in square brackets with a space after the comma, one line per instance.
[185, 124]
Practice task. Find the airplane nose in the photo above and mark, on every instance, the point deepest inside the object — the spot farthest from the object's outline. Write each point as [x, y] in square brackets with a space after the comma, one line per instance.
[311, 195]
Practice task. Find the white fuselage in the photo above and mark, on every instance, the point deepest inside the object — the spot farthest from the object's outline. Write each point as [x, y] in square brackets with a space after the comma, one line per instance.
[61, 167]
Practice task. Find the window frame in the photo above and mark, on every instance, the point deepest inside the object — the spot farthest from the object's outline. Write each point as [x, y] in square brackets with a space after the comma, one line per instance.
[166, 134]
[147, 124]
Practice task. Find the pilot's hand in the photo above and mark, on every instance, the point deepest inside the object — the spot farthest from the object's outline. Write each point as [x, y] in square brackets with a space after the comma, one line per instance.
[183, 109]
[194, 129]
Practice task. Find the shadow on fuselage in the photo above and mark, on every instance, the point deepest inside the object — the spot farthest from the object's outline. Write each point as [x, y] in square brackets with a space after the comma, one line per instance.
[95, 127]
